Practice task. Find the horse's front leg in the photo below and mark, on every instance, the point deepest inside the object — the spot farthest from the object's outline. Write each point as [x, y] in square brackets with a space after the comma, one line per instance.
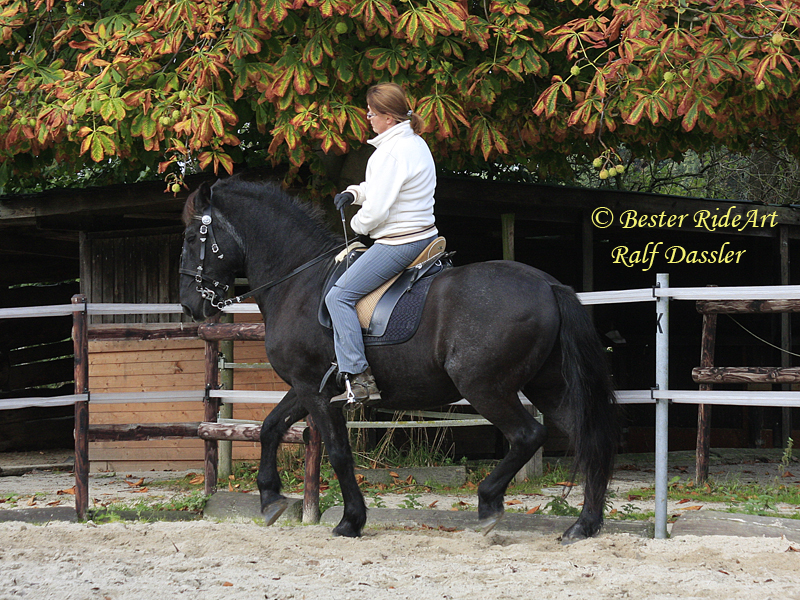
[288, 411]
[333, 428]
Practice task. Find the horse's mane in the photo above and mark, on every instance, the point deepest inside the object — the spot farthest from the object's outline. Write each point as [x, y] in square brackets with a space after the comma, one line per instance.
[264, 191]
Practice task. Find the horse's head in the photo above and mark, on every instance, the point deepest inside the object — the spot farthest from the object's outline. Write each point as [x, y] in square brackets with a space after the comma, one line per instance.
[212, 254]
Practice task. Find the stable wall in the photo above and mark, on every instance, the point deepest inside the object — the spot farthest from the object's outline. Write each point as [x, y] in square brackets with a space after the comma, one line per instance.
[165, 366]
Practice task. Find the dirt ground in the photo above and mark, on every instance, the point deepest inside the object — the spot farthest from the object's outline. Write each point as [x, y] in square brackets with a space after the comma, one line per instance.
[218, 560]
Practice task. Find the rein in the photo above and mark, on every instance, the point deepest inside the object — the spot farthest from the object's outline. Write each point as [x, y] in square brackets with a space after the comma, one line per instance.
[210, 293]
[275, 282]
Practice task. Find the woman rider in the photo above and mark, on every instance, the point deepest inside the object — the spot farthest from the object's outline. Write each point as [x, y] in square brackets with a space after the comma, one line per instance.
[396, 201]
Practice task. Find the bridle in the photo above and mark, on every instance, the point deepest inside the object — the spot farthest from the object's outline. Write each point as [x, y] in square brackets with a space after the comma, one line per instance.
[211, 293]
[202, 280]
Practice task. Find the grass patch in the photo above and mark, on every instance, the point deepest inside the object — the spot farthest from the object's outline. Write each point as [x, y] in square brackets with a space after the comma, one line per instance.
[142, 510]
[745, 498]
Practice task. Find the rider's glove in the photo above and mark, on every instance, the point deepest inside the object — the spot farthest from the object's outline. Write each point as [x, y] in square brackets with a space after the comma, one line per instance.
[343, 199]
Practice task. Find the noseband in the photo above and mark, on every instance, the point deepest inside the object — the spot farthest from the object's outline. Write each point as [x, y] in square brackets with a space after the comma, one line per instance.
[203, 281]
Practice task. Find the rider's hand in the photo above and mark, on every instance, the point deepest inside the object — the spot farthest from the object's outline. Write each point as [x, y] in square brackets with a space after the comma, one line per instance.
[343, 199]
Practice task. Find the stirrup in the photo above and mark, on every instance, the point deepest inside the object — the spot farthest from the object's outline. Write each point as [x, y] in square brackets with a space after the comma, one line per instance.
[348, 397]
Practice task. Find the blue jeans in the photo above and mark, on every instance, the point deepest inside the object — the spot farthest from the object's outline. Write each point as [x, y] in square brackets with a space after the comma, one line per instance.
[377, 265]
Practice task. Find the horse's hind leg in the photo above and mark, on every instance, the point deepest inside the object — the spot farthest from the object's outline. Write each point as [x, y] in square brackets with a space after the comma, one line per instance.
[596, 471]
[525, 436]
[287, 412]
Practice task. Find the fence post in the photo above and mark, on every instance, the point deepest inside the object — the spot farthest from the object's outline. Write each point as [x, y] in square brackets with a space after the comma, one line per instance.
[707, 346]
[80, 342]
[312, 472]
[786, 334]
[662, 407]
[226, 410]
[533, 468]
[211, 410]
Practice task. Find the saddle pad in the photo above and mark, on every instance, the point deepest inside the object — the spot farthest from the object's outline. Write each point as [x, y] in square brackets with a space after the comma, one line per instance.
[366, 306]
[406, 316]
[397, 316]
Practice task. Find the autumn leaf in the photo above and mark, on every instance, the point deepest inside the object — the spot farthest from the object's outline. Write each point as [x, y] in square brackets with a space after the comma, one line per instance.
[70, 491]
[197, 480]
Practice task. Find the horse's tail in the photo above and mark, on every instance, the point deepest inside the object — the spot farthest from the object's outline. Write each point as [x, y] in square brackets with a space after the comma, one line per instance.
[589, 395]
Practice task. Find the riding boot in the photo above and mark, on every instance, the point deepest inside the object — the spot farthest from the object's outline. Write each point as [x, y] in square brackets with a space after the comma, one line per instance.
[359, 388]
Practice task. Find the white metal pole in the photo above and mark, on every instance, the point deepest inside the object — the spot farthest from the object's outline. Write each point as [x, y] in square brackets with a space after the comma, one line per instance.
[662, 406]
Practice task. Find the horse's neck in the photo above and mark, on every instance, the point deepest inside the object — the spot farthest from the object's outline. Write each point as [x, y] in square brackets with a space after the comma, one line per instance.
[274, 254]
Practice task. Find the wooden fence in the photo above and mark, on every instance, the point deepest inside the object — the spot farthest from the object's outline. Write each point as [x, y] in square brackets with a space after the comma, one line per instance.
[707, 374]
[208, 430]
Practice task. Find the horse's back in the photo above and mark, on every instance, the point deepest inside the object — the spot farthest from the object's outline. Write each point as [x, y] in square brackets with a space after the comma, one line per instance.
[500, 309]
[501, 289]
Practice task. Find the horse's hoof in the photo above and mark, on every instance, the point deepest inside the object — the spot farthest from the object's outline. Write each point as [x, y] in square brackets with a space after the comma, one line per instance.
[272, 511]
[486, 525]
[567, 540]
[576, 533]
[346, 530]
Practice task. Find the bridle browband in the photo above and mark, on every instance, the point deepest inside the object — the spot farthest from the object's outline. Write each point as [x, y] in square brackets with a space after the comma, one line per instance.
[211, 293]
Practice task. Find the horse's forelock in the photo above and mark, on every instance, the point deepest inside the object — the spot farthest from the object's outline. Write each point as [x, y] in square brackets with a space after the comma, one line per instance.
[189, 210]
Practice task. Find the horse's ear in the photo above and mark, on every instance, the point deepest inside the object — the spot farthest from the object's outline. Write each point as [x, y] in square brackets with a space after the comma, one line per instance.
[203, 197]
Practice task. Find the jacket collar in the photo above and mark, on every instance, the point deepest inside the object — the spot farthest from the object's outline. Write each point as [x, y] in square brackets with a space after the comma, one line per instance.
[401, 129]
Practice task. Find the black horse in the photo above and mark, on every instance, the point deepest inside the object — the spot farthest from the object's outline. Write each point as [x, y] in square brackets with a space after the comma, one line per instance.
[488, 330]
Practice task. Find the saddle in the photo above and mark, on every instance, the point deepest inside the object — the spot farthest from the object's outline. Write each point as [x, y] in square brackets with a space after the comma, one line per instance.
[399, 295]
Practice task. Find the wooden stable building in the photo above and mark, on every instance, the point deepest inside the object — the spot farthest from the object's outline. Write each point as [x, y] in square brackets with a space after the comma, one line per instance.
[122, 244]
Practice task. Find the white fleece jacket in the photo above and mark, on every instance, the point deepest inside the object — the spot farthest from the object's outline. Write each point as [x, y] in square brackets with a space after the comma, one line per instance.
[397, 197]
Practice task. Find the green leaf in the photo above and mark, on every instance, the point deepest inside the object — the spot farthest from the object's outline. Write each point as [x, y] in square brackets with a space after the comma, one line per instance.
[388, 59]
[343, 69]
[638, 111]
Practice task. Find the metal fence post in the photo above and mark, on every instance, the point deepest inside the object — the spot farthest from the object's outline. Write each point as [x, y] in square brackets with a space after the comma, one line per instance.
[662, 406]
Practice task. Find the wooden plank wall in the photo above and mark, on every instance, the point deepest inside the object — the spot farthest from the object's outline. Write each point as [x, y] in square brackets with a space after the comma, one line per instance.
[131, 267]
[164, 366]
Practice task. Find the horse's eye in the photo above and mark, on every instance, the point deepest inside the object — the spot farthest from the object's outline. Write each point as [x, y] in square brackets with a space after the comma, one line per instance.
[190, 237]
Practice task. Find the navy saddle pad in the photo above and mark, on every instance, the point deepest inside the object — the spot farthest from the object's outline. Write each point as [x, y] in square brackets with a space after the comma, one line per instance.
[398, 312]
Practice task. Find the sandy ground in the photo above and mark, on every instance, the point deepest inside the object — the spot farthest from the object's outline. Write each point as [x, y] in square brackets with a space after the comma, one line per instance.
[211, 560]
[207, 560]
